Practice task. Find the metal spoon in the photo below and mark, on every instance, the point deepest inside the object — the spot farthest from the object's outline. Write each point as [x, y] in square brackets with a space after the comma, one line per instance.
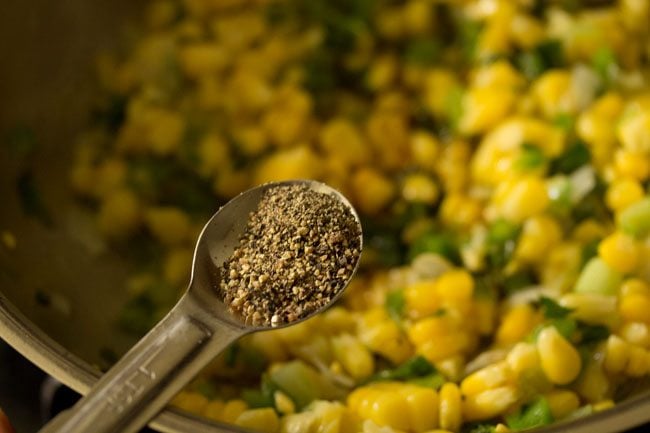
[197, 329]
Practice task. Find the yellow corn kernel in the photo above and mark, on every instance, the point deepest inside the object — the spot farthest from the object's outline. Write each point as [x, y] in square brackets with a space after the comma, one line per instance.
[636, 333]
[483, 108]
[232, 409]
[518, 199]
[421, 298]
[553, 94]
[516, 324]
[445, 346]
[109, 176]
[500, 74]
[342, 138]
[190, 401]
[593, 385]
[213, 410]
[527, 31]
[501, 428]
[459, 210]
[562, 402]
[372, 190]
[633, 165]
[602, 405]
[263, 420]
[452, 368]
[635, 307]
[439, 85]
[306, 422]
[387, 339]
[539, 235]
[597, 123]
[489, 377]
[485, 312]
[429, 328]
[450, 412]
[456, 286]
[177, 266]
[634, 285]
[169, 225]
[422, 408]
[637, 364]
[560, 361]
[418, 17]
[354, 356]
[387, 409]
[388, 133]
[592, 307]
[633, 132]
[424, 148]
[119, 214]
[213, 153]
[199, 59]
[165, 130]
[489, 403]
[420, 188]
[382, 72]
[617, 354]
[622, 193]
[620, 251]
[283, 403]
[522, 357]
[296, 163]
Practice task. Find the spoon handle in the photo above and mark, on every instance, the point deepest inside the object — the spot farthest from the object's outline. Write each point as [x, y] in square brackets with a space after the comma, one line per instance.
[136, 388]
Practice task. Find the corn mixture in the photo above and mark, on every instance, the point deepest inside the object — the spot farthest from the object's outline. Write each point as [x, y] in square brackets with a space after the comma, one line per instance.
[498, 152]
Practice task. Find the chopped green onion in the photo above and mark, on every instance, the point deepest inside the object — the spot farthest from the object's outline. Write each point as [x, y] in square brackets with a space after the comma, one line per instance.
[531, 158]
[598, 277]
[536, 414]
[574, 156]
[635, 219]
[553, 310]
[415, 367]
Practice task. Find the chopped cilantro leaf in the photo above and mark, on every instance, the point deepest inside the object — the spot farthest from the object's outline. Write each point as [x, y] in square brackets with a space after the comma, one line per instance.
[535, 414]
[553, 310]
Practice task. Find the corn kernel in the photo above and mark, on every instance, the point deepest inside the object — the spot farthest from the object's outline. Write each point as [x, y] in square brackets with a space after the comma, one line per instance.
[562, 402]
[190, 401]
[617, 354]
[540, 233]
[619, 251]
[424, 149]
[232, 409]
[593, 385]
[119, 214]
[490, 377]
[622, 193]
[483, 108]
[450, 412]
[489, 403]
[354, 356]
[636, 333]
[635, 307]
[633, 132]
[553, 93]
[522, 357]
[459, 210]
[516, 324]
[213, 410]
[342, 138]
[634, 285]
[373, 191]
[637, 364]
[633, 165]
[421, 298]
[263, 420]
[519, 199]
[296, 163]
[560, 361]
[419, 188]
[168, 224]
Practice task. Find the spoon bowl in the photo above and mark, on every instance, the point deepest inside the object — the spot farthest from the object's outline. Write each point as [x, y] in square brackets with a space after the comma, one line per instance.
[196, 330]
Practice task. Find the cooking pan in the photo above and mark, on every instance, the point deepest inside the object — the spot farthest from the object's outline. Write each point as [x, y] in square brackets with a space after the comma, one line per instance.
[61, 288]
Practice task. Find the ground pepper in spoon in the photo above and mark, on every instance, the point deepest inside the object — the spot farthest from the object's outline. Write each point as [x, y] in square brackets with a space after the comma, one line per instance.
[273, 256]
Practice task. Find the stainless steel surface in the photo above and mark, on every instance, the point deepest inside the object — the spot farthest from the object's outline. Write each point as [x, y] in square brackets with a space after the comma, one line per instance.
[196, 330]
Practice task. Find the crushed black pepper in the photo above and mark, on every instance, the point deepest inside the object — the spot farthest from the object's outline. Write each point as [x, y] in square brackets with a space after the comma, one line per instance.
[299, 249]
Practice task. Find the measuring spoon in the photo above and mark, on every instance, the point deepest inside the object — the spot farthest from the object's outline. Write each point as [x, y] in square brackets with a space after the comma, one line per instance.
[196, 330]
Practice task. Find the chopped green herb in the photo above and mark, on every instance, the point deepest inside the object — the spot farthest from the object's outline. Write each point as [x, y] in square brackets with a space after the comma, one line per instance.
[574, 156]
[395, 303]
[303, 384]
[604, 63]
[592, 333]
[551, 309]
[415, 367]
[531, 158]
[598, 277]
[564, 121]
[635, 219]
[501, 242]
[566, 326]
[435, 242]
[424, 52]
[454, 105]
[518, 281]
[434, 380]
[535, 414]
[549, 54]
